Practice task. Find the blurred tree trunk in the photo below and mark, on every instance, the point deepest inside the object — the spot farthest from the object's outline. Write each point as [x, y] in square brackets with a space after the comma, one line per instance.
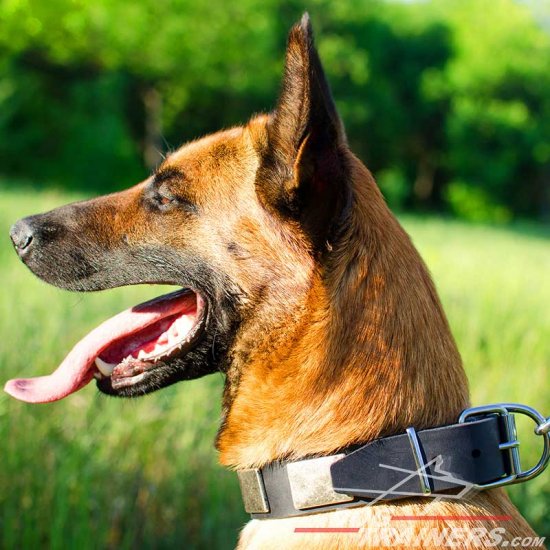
[424, 183]
[152, 141]
[544, 203]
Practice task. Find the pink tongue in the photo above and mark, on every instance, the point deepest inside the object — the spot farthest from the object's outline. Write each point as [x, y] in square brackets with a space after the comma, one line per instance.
[76, 369]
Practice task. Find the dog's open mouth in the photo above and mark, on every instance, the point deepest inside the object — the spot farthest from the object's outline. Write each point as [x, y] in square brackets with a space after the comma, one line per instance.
[124, 349]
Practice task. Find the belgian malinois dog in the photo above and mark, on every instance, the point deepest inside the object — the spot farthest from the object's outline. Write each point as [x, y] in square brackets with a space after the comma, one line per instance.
[296, 282]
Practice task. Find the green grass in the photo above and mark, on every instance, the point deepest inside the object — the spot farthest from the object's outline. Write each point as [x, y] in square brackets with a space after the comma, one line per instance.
[96, 472]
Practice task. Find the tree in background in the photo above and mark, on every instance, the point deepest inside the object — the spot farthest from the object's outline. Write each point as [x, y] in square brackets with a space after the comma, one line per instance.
[447, 101]
[89, 88]
[498, 126]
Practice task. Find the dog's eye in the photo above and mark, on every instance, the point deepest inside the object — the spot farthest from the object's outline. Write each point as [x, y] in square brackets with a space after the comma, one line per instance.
[161, 201]
[164, 202]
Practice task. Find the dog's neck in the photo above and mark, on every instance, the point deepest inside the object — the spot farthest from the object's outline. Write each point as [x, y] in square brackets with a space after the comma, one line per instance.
[365, 352]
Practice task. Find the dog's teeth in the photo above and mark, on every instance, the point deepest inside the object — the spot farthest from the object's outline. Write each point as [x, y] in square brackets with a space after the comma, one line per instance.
[158, 350]
[104, 368]
[184, 325]
[141, 354]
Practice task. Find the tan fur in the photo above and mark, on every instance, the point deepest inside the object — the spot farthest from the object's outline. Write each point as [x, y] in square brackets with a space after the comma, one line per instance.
[369, 355]
[356, 351]
[342, 359]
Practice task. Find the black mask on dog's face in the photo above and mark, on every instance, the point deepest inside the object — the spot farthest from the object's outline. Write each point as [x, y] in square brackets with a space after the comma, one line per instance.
[239, 220]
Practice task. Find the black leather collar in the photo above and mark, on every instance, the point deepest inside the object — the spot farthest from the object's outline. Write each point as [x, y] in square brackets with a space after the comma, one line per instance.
[478, 452]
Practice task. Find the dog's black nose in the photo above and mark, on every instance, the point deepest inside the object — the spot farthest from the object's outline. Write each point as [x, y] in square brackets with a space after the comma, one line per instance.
[22, 236]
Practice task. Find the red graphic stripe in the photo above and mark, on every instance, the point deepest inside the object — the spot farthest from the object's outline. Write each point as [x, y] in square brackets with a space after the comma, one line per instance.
[326, 529]
[451, 518]
[403, 518]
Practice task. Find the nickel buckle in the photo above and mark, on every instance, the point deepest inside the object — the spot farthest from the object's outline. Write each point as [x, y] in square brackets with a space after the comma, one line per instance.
[510, 445]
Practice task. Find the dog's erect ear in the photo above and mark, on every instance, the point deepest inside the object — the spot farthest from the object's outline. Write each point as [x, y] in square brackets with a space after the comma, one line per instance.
[303, 172]
[305, 109]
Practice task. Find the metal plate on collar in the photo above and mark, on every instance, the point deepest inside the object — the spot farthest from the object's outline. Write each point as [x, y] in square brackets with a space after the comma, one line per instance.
[311, 484]
[253, 491]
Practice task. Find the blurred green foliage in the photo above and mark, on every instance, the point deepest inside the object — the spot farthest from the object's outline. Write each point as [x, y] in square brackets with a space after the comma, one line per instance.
[447, 100]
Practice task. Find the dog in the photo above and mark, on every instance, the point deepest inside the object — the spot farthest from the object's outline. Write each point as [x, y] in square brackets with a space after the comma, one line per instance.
[297, 283]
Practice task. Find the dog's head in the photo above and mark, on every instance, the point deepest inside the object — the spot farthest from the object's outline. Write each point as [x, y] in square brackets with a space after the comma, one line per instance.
[241, 220]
